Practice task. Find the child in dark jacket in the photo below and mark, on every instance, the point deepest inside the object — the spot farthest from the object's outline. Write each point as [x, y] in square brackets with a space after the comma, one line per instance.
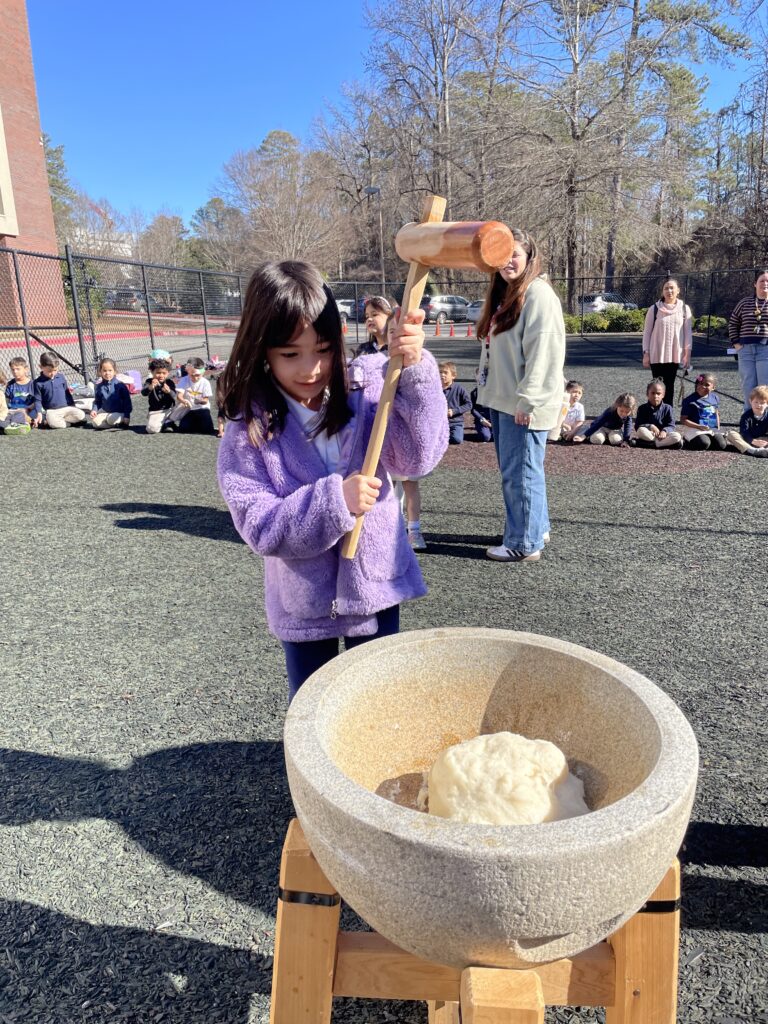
[655, 420]
[458, 402]
[112, 406]
[481, 417]
[613, 425]
[161, 392]
[54, 403]
[752, 436]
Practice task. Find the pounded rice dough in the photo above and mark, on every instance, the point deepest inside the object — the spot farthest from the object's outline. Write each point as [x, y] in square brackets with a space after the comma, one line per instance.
[504, 779]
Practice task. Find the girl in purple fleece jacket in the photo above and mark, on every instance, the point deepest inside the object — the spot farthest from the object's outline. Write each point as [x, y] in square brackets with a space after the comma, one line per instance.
[290, 460]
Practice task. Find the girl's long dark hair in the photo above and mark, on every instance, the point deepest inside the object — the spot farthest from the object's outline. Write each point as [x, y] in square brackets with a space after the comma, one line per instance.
[508, 298]
[280, 299]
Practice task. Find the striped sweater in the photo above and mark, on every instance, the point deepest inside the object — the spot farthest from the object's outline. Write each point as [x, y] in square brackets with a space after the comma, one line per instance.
[744, 327]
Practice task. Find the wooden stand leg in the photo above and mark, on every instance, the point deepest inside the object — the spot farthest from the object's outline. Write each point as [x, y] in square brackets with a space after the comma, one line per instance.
[647, 951]
[490, 996]
[305, 937]
[439, 1012]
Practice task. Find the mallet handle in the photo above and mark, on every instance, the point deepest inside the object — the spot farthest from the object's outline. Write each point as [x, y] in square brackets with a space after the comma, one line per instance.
[432, 211]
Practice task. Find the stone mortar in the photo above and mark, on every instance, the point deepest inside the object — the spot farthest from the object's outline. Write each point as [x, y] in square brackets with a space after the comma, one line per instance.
[501, 896]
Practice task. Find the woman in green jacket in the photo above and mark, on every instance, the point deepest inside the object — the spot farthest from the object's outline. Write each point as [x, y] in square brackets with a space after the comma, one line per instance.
[522, 385]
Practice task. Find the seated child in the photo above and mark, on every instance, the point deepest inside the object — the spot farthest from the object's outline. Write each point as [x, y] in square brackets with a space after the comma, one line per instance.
[613, 425]
[752, 436]
[112, 406]
[192, 412]
[458, 402]
[20, 398]
[575, 416]
[482, 418]
[54, 404]
[700, 416]
[161, 392]
[655, 420]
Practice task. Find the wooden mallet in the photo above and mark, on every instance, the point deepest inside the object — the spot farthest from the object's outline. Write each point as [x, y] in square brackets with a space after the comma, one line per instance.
[464, 245]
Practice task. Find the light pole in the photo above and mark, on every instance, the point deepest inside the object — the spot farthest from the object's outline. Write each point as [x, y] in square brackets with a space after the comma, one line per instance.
[374, 190]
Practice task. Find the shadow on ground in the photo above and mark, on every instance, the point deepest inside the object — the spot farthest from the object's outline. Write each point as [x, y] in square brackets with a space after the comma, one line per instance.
[59, 969]
[195, 520]
[218, 811]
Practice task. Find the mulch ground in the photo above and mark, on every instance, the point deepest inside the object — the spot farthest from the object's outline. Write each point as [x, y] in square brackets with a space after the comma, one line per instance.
[143, 800]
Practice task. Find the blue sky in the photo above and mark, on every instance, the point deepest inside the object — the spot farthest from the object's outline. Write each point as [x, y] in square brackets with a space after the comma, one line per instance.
[149, 99]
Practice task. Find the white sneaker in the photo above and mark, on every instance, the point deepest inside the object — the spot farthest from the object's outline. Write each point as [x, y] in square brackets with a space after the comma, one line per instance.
[505, 554]
[546, 538]
[416, 540]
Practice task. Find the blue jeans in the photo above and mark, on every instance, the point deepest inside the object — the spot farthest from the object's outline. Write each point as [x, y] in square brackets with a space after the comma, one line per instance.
[302, 659]
[753, 368]
[520, 453]
[455, 430]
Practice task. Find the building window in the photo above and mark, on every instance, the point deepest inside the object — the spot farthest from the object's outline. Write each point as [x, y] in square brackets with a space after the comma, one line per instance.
[8, 224]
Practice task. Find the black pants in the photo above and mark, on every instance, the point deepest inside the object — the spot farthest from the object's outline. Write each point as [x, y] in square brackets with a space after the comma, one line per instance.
[668, 373]
[302, 658]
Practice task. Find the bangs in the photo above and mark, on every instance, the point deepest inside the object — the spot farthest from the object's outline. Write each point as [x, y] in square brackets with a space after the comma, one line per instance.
[296, 299]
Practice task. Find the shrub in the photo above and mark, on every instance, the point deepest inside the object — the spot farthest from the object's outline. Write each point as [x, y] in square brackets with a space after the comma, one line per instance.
[626, 320]
[716, 325]
[572, 323]
[594, 322]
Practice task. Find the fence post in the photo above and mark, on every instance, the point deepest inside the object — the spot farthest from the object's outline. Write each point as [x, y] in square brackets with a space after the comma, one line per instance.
[89, 307]
[205, 316]
[709, 311]
[357, 317]
[76, 311]
[22, 306]
[146, 305]
[240, 282]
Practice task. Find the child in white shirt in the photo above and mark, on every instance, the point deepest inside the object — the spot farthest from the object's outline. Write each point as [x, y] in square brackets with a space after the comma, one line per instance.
[575, 416]
[192, 412]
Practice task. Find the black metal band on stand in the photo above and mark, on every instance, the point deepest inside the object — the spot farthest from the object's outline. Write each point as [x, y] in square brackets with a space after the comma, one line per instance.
[309, 899]
[660, 907]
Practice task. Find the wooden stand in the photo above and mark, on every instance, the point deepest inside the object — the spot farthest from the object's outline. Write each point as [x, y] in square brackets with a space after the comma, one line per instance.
[633, 973]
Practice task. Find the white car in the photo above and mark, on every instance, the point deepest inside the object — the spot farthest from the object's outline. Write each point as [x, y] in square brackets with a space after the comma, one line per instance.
[474, 309]
[600, 301]
[346, 308]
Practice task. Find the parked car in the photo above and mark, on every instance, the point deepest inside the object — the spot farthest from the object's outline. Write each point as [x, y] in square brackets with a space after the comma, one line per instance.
[440, 308]
[134, 300]
[125, 298]
[601, 301]
[474, 309]
[346, 309]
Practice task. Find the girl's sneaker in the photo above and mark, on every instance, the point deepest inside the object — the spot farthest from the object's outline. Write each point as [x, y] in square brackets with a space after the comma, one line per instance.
[504, 554]
[15, 429]
[416, 540]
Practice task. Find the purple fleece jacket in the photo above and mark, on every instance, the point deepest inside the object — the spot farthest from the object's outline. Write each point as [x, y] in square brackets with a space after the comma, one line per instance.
[287, 508]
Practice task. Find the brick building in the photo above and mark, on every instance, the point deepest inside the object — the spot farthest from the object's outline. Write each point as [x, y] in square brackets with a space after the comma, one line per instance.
[26, 216]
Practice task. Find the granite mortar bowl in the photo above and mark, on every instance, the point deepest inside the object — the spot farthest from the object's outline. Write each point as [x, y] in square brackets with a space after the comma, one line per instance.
[501, 896]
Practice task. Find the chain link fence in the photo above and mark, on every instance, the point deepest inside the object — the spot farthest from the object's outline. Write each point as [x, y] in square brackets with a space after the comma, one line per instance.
[83, 307]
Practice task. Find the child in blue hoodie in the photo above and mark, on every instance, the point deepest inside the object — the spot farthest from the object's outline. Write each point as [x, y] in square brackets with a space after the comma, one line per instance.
[458, 402]
[613, 425]
[112, 406]
[54, 404]
[752, 436]
[19, 398]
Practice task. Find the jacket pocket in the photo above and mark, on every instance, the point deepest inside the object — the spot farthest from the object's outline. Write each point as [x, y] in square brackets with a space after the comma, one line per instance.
[384, 551]
[307, 586]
